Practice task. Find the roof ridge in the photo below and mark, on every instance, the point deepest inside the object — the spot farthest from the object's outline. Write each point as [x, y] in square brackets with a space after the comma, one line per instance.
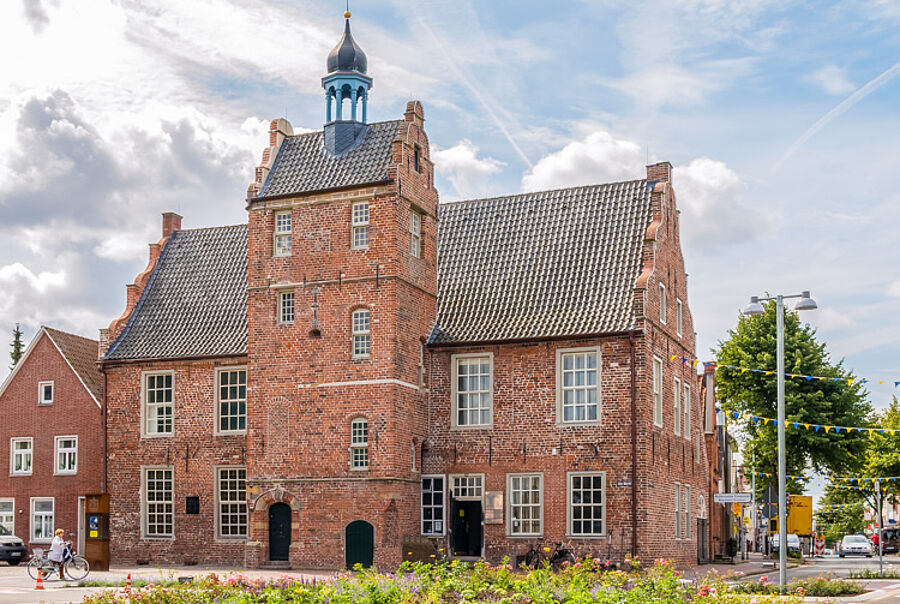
[66, 333]
[301, 134]
[209, 228]
[510, 196]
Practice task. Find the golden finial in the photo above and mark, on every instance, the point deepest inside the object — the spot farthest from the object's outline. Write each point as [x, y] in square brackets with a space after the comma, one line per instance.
[346, 14]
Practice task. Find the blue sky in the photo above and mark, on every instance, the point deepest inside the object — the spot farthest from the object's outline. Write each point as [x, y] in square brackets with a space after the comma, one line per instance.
[115, 111]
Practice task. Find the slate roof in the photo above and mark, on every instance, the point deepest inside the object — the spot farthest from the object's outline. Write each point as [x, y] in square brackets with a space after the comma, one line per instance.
[195, 302]
[535, 265]
[81, 353]
[303, 165]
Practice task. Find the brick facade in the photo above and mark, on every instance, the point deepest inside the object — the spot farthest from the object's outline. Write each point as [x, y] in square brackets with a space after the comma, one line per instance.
[74, 412]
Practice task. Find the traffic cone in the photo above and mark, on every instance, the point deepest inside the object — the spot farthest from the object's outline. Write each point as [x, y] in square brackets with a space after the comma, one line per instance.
[128, 582]
[40, 580]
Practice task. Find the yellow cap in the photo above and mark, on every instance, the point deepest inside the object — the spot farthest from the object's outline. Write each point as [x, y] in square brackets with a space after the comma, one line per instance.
[347, 15]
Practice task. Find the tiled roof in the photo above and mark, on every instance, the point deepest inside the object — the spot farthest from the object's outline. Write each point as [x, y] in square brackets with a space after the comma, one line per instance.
[303, 165]
[81, 353]
[195, 303]
[552, 263]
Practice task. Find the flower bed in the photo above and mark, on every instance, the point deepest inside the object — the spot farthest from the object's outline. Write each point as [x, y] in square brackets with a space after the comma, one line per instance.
[585, 581]
[826, 585]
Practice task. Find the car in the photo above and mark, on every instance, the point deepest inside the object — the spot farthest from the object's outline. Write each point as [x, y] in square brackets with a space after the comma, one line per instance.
[855, 545]
[891, 540]
[793, 542]
[11, 547]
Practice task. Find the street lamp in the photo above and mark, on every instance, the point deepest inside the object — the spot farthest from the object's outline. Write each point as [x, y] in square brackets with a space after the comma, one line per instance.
[755, 308]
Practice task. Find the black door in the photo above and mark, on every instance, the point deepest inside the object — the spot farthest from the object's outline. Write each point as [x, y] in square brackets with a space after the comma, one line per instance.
[360, 539]
[702, 528]
[279, 531]
[465, 528]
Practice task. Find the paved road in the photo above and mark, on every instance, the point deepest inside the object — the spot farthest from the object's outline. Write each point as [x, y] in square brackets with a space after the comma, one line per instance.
[841, 567]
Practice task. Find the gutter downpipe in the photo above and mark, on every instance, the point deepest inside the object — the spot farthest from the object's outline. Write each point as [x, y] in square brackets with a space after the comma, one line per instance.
[105, 434]
[634, 449]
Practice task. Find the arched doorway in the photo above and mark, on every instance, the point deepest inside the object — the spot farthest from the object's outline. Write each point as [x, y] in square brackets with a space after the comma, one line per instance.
[279, 531]
[359, 543]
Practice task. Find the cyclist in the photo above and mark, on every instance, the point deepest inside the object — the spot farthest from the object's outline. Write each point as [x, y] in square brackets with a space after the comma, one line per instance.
[57, 551]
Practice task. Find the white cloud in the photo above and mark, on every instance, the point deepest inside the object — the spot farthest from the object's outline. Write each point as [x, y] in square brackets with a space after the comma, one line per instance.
[41, 282]
[832, 80]
[600, 157]
[893, 289]
[469, 174]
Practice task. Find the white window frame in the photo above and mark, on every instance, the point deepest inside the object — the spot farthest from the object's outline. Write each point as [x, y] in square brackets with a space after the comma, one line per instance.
[473, 487]
[662, 303]
[686, 512]
[360, 336]
[686, 403]
[360, 219]
[561, 387]
[56, 453]
[359, 445]
[679, 320]
[442, 507]
[280, 233]
[570, 515]
[31, 527]
[678, 510]
[657, 389]
[13, 454]
[145, 415]
[421, 366]
[218, 398]
[220, 503]
[510, 533]
[676, 405]
[280, 301]
[10, 523]
[415, 233]
[454, 391]
[145, 505]
[41, 400]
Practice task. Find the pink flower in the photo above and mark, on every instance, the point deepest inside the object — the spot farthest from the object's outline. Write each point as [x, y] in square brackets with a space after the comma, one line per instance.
[677, 573]
[597, 562]
[738, 573]
[577, 564]
[565, 563]
[712, 590]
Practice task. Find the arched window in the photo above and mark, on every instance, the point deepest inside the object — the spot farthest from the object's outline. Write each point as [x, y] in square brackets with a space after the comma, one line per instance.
[360, 330]
[359, 444]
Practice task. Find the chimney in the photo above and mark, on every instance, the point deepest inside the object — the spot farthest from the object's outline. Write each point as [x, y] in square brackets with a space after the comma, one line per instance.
[661, 171]
[171, 223]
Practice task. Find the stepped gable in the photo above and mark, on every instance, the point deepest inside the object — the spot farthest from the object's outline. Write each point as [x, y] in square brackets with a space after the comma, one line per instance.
[303, 164]
[81, 354]
[195, 303]
[540, 265]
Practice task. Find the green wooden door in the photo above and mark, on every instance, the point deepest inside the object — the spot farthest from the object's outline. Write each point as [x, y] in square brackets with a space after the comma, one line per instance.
[360, 541]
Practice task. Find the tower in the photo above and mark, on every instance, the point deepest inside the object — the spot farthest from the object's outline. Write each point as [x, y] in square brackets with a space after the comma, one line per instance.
[345, 84]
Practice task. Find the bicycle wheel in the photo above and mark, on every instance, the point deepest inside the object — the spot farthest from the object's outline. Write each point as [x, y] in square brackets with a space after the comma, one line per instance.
[533, 559]
[77, 568]
[562, 557]
[33, 565]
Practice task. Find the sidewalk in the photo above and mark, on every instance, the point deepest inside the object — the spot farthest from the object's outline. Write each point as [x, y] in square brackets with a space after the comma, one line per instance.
[756, 564]
[160, 573]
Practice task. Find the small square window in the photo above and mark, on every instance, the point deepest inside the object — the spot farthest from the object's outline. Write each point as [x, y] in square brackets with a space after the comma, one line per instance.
[45, 393]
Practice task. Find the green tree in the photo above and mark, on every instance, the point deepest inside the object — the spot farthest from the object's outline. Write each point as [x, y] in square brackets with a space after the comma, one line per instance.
[842, 402]
[17, 347]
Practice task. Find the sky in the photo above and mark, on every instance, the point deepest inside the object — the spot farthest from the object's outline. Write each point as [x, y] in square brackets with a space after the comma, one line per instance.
[780, 118]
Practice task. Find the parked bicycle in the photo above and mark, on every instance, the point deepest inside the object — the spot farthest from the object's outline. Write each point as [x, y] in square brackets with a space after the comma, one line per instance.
[557, 556]
[73, 565]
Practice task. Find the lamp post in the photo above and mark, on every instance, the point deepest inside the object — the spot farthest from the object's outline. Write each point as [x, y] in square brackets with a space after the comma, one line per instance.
[755, 308]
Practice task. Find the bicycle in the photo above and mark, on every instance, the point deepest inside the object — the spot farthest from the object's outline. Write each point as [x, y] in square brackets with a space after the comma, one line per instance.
[73, 565]
[557, 556]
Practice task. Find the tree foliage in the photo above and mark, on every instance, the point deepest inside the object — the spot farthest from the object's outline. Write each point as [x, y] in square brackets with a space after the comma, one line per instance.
[752, 345]
[17, 347]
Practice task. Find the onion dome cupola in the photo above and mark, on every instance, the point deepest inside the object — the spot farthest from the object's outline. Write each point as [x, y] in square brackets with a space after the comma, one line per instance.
[346, 94]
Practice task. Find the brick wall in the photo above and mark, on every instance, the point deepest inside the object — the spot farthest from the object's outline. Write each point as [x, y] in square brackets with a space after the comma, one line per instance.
[73, 412]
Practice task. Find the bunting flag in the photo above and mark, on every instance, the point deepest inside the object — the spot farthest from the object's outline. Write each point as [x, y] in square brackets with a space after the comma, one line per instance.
[799, 376]
[814, 427]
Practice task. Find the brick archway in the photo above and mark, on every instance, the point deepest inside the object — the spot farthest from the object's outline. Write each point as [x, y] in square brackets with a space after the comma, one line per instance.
[256, 552]
[276, 495]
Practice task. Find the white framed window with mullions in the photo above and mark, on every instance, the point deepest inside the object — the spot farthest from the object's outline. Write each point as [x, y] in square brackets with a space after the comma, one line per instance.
[525, 505]
[21, 456]
[578, 385]
[434, 492]
[472, 390]
[359, 225]
[415, 234]
[157, 403]
[662, 303]
[8, 514]
[231, 400]
[42, 519]
[360, 333]
[587, 505]
[676, 405]
[285, 306]
[686, 403]
[282, 242]
[45, 393]
[359, 444]
[679, 317]
[66, 455]
[657, 392]
[157, 502]
[231, 502]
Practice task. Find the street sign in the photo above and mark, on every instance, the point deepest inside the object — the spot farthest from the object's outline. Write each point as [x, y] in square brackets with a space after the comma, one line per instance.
[731, 497]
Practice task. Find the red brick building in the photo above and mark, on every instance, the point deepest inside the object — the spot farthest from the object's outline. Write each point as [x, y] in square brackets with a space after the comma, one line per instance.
[52, 436]
[360, 372]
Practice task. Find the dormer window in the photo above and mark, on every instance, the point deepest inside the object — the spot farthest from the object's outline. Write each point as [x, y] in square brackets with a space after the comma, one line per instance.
[45, 393]
[283, 228]
[359, 235]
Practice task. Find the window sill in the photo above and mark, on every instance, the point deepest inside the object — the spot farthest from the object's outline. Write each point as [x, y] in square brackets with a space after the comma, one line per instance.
[528, 536]
[473, 427]
[231, 433]
[579, 424]
[360, 357]
[20, 474]
[41, 541]
[50, 404]
[146, 538]
[585, 537]
[75, 473]
[167, 435]
[232, 540]
[366, 469]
